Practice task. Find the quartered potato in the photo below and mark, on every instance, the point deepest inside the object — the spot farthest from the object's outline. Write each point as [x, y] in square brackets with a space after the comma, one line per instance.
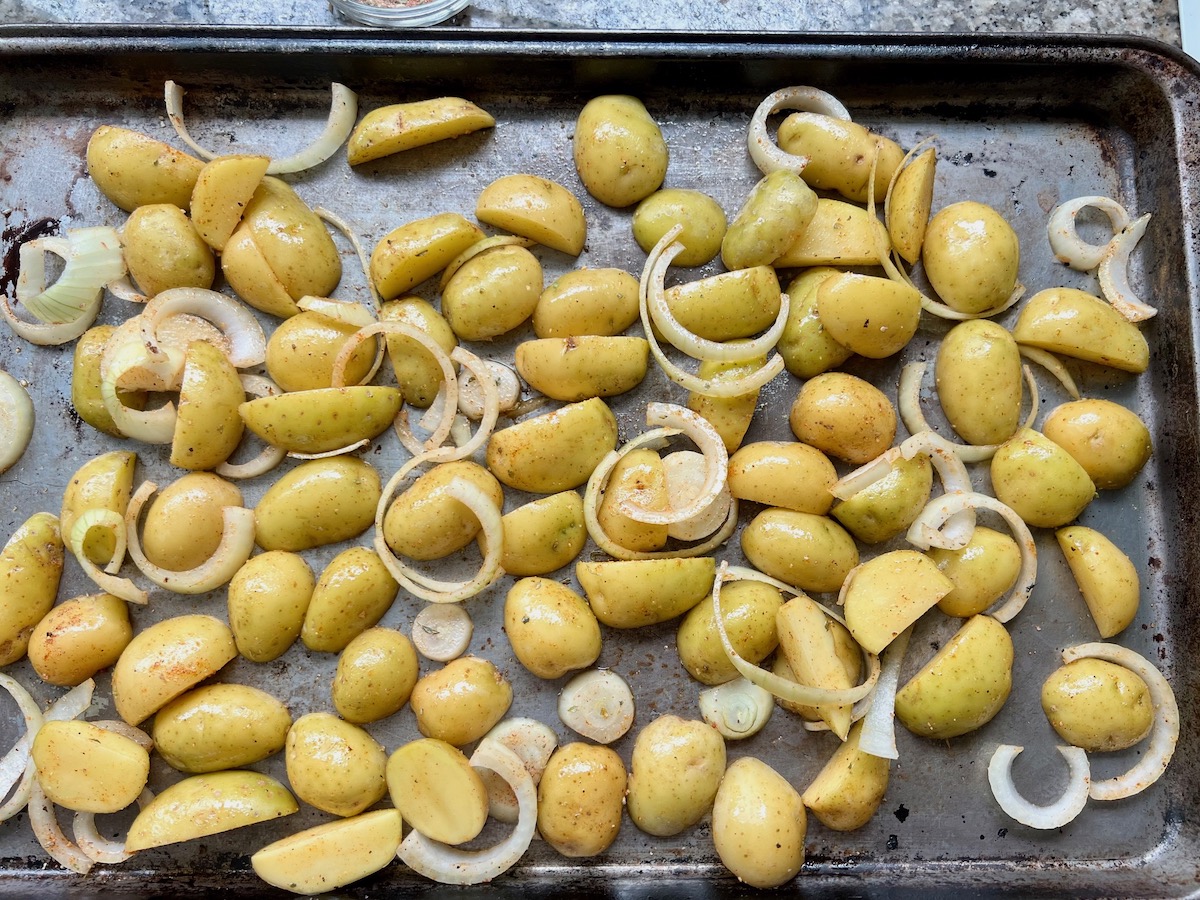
[703, 221]
[331, 855]
[301, 351]
[1112, 443]
[849, 788]
[554, 451]
[31, 566]
[840, 154]
[729, 416]
[103, 482]
[492, 293]
[633, 593]
[537, 208]
[543, 535]
[1107, 578]
[807, 641]
[840, 234]
[79, 637]
[322, 419]
[587, 301]
[773, 217]
[909, 205]
[418, 250]
[1078, 324]
[727, 306]
[639, 478]
[163, 250]
[888, 593]
[222, 192]
[578, 368]
[403, 126]
[748, 610]
[1040, 480]
[321, 501]
[208, 428]
[437, 792]
[418, 374]
[790, 475]
[87, 768]
[873, 317]
[806, 346]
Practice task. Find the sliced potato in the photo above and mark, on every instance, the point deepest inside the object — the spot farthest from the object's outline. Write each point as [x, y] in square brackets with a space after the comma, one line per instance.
[322, 419]
[223, 190]
[536, 208]
[402, 126]
[332, 855]
[888, 593]
[633, 593]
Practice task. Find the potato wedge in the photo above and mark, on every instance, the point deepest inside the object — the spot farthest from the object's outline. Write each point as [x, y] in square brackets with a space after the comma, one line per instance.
[402, 126]
[322, 419]
[330, 856]
[536, 208]
[222, 192]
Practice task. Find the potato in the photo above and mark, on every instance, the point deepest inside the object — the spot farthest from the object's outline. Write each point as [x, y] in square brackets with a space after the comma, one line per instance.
[332, 855]
[758, 824]
[492, 293]
[701, 216]
[840, 234]
[888, 593]
[132, 169]
[848, 790]
[785, 474]
[375, 676]
[873, 317]
[204, 805]
[971, 256]
[78, 638]
[31, 566]
[578, 368]
[292, 239]
[840, 154]
[436, 790]
[322, 419]
[85, 382]
[163, 250]
[730, 416]
[321, 501]
[551, 628]
[910, 204]
[979, 381]
[1107, 578]
[208, 428]
[1077, 324]
[748, 610]
[418, 374]
[184, 523]
[248, 272]
[806, 346]
[334, 765]
[222, 192]
[403, 126]
[1098, 705]
[808, 644]
[87, 768]
[554, 451]
[638, 478]
[268, 597]
[811, 552]
[983, 571]
[619, 151]
[580, 798]
[885, 509]
[103, 482]
[774, 215]
[1111, 442]
[674, 774]
[301, 351]
[963, 686]
[1040, 480]
[633, 593]
[587, 301]
[848, 652]
[220, 726]
[461, 701]
[426, 523]
[352, 594]
[167, 658]
[418, 250]
[534, 207]
[543, 535]
[844, 416]
[727, 306]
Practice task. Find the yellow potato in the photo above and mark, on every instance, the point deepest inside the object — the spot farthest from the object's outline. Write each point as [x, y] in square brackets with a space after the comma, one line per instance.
[773, 217]
[492, 293]
[886, 508]
[321, 501]
[1111, 442]
[1098, 705]
[334, 765]
[787, 474]
[554, 451]
[580, 798]
[909, 206]
[103, 482]
[543, 535]
[132, 169]
[79, 637]
[163, 250]
[848, 652]
[587, 301]
[873, 317]
[758, 824]
[840, 234]
[403, 126]
[87, 768]
[251, 277]
[417, 373]
[1077, 324]
[1107, 578]
[639, 478]
[840, 154]
[301, 351]
[220, 726]
[844, 416]
[460, 702]
[425, 523]
[293, 240]
[619, 150]
[534, 207]
[634, 593]
[729, 305]
[674, 774]
[1040, 480]
[268, 597]
[352, 594]
[375, 675]
[701, 216]
[748, 610]
[322, 419]
[982, 571]
[806, 346]
[578, 368]
[888, 593]
[971, 256]
[208, 428]
[730, 416]
[85, 382]
[437, 792]
[418, 250]
[31, 566]
[811, 552]
[551, 628]
[848, 790]
[223, 190]
[185, 521]
[979, 381]
[811, 651]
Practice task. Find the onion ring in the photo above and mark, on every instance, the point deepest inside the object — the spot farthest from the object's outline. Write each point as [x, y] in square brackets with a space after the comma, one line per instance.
[878, 735]
[115, 522]
[247, 343]
[270, 456]
[1065, 241]
[1114, 273]
[1057, 814]
[153, 426]
[97, 847]
[1053, 365]
[50, 835]
[352, 236]
[769, 156]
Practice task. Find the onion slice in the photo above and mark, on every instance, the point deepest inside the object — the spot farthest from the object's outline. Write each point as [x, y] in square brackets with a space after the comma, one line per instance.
[1114, 273]
[16, 768]
[878, 735]
[597, 704]
[1057, 814]
[16, 420]
[152, 426]
[684, 472]
[1164, 735]
[450, 865]
[114, 522]
[1053, 365]
[363, 260]
[247, 343]
[93, 258]
[442, 632]
[50, 835]
[769, 156]
[738, 709]
[95, 846]
[1065, 241]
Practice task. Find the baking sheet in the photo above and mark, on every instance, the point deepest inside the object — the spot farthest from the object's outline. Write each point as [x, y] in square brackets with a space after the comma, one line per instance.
[1022, 123]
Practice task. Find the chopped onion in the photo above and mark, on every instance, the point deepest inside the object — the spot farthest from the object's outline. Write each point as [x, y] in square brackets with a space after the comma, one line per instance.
[768, 155]
[16, 420]
[93, 258]
[54, 334]
[471, 392]
[878, 736]
[1053, 365]
[1164, 735]
[442, 632]
[235, 547]
[50, 835]
[597, 704]
[96, 847]
[1062, 811]
[684, 472]
[247, 343]
[270, 456]
[1114, 273]
[16, 768]
[1065, 241]
[146, 365]
[122, 288]
[450, 865]
[114, 522]
[738, 709]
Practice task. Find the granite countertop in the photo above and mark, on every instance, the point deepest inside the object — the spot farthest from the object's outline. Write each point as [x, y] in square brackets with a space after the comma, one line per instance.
[1158, 19]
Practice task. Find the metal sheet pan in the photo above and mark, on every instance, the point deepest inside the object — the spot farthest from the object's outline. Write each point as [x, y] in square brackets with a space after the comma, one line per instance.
[1022, 123]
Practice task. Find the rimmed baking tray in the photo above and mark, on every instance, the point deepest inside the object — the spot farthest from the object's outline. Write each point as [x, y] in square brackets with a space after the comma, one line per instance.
[1021, 122]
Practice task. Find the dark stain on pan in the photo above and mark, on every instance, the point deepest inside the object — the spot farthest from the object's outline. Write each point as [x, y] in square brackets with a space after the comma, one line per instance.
[11, 240]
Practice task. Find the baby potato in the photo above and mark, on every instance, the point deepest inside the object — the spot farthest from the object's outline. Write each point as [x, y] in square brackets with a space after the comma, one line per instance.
[888, 593]
[1098, 705]
[806, 346]
[758, 824]
[848, 653]
[811, 552]
[321, 501]
[268, 597]
[580, 798]
[185, 521]
[352, 594]
[578, 368]
[163, 250]
[840, 234]
[78, 638]
[790, 475]
[982, 571]
[543, 535]
[403, 126]
[103, 482]
[322, 419]
[555, 451]
[418, 250]
[208, 428]
[886, 508]
[730, 416]
[848, 790]
[417, 373]
[971, 256]
[437, 791]
[587, 301]
[551, 628]
[674, 774]
[1040, 480]
[873, 317]
[248, 272]
[1080, 325]
[748, 610]
[85, 383]
[844, 416]
[301, 351]
[223, 189]
[909, 205]
[775, 214]
[88, 768]
[979, 381]
[220, 726]
[840, 154]
[31, 566]
[492, 293]
[292, 239]
[811, 649]
[619, 151]
[375, 675]
[537, 208]
[633, 593]
[1112, 443]
[727, 306]
[701, 216]
[334, 765]
[426, 523]
[132, 169]
[1107, 578]
[460, 702]
[639, 478]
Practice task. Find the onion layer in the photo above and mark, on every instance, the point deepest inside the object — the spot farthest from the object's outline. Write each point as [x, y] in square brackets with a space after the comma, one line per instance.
[878, 735]
[270, 456]
[247, 343]
[1057, 814]
[1065, 241]
[768, 155]
[50, 835]
[95, 846]
[1114, 273]
[114, 522]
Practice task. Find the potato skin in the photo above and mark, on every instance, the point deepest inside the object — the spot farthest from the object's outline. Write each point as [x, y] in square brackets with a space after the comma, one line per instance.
[334, 765]
[551, 628]
[971, 256]
[460, 702]
[843, 416]
[979, 381]
[321, 501]
[543, 535]
[1097, 705]
[403, 126]
[163, 250]
[555, 451]
[676, 768]
[703, 220]
[1112, 443]
[580, 798]
[375, 676]
[79, 637]
[759, 824]
[1041, 481]
[425, 523]
[351, 595]
[587, 301]
[184, 522]
[220, 726]
[268, 597]
[31, 566]
[132, 169]
[619, 151]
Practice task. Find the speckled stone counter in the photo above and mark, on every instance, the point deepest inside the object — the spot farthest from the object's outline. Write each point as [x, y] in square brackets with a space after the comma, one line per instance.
[1158, 19]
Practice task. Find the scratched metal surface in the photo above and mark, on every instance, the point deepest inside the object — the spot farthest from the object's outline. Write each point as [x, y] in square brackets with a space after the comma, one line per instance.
[1009, 131]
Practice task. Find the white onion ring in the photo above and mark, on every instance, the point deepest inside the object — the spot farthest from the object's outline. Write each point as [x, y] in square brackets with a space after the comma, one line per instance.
[93, 258]
[1057, 814]
[152, 426]
[1164, 735]
[944, 311]
[16, 420]
[489, 406]
[684, 471]
[769, 156]
[450, 865]
[50, 835]
[472, 394]
[114, 522]
[1114, 273]
[878, 735]
[1065, 241]
[1053, 365]
[16, 768]
[247, 343]
[270, 456]
[95, 846]
[50, 335]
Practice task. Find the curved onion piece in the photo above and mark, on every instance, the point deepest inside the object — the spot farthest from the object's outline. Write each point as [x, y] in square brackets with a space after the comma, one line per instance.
[93, 258]
[73, 703]
[442, 632]
[1114, 273]
[50, 835]
[942, 311]
[1164, 734]
[247, 343]
[95, 846]
[472, 392]
[363, 260]
[878, 736]
[597, 704]
[114, 522]
[768, 155]
[237, 543]
[449, 865]
[31, 259]
[1053, 365]
[16, 420]
[922, 532]
[685, 472]
[1065, 241]
[49, 335]
[173, 94]
[270, 456]
[122, 288]
[151, 426]
[738, 709]
[1057, 814]
[341, 451]
[778, 686]
[533, 742]
[16, 768]
[124, 729]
